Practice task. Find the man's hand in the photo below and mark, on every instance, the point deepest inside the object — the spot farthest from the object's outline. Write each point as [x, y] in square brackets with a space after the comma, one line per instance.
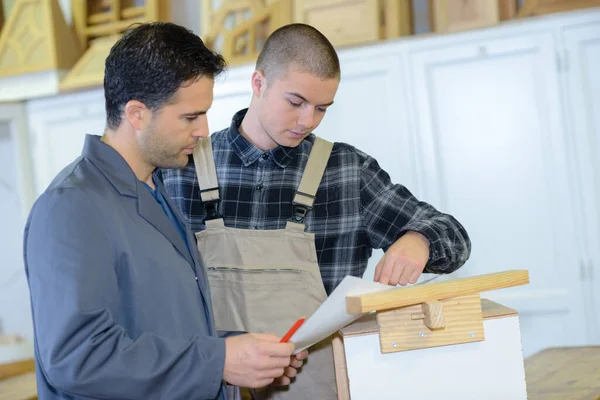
[404, 261]
[255, 360]
[296, 362]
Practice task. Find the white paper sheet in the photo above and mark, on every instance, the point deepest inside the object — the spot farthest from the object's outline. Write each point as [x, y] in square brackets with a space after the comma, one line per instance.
[332, 316]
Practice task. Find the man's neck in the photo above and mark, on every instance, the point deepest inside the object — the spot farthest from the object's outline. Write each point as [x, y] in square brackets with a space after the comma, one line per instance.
[126, 146]
[252, 130]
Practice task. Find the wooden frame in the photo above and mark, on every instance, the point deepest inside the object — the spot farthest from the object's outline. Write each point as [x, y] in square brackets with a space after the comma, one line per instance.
[99, 24]
[460, 15]
[1, 15]
[101, 18]
[542, 7]
[48, 45]
[343, 23]
[238, 28]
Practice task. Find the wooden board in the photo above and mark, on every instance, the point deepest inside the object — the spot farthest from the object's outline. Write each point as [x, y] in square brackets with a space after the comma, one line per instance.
[16, 368]
[400, 331]
[460, 15]
[564, 373]
[542, 7]
[435, 291]
[342, 22]
[367, 325]
[22, 387]
[490, 309]
[341, 370]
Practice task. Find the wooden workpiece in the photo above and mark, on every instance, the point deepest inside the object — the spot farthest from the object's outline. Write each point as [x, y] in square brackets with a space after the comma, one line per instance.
[417, 294]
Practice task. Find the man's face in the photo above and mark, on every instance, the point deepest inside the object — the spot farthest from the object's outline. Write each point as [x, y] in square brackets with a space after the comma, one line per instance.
[292, 106]
[172, 132]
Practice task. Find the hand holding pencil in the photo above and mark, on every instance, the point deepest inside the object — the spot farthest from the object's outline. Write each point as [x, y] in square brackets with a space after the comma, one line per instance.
[256, 359]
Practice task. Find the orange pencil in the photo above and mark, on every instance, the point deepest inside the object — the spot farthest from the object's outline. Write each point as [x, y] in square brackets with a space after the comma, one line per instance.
[292, 330]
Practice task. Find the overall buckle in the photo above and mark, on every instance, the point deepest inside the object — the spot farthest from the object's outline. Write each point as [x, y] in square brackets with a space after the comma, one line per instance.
[299, 213]
[212, 210]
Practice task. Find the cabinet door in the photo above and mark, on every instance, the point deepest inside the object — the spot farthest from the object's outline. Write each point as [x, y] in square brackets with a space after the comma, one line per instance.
[16, 196]
[490, 132]
[58, 126]
[582, 63]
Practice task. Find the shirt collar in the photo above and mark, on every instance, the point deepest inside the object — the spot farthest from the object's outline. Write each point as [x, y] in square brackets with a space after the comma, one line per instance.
[249, 153]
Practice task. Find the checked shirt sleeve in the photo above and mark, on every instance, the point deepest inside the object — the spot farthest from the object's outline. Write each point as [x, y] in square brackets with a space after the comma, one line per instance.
[390, 210]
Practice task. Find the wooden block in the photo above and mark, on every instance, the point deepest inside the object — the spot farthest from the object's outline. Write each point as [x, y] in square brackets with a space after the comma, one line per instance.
[507, 9]
[1, 16]
[417, 294]
[490, 309]
[342, 22]
[397, 18]
[16, 368]
[22, 387]
[463, 324]
[433, 314]
[542, 7]
[460, 15]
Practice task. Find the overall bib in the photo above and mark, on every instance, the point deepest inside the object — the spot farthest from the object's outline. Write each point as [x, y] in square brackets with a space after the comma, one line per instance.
[262, 281]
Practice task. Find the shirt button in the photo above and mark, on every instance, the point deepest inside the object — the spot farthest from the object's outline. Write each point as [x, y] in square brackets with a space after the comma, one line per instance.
[196, 279]
[259, 187]
[265, 156]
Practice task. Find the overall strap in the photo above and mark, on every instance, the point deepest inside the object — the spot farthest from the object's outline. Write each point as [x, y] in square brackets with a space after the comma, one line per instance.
[313, 173]
[206, 172]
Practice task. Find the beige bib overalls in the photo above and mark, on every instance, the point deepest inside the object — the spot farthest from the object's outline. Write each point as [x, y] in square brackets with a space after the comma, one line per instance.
[264, 280]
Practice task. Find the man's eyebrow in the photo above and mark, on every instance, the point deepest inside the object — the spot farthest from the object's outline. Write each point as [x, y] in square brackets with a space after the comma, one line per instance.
[304, 99]
[194, 113]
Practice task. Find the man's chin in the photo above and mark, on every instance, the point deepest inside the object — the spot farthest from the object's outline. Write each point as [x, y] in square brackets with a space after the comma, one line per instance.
[292, 141]
[179, 163]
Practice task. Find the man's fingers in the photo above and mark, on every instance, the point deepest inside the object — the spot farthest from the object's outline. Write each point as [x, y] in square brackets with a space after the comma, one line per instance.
[386, 271]
[278, 350]
[282, 381]
[414, 277]
[303, 355]
[406, 274]
[290, 371]
[397, 270]
[378, 269]
[296, 363]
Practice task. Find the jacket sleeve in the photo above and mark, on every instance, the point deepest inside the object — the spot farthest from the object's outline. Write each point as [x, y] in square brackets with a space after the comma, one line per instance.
[70, 259]
[390, 210]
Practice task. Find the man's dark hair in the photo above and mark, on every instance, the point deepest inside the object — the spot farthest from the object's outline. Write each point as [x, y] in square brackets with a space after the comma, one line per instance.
[301, 45]
[150, 62]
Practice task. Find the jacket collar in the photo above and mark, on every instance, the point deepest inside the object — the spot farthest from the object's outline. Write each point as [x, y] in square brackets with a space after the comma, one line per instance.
[120, 175]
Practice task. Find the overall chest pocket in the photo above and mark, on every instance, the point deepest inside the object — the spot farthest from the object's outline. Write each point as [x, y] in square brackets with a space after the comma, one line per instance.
[262, 300]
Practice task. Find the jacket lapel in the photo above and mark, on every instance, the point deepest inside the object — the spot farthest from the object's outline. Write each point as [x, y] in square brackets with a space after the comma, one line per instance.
[149, 209]
[197, 258]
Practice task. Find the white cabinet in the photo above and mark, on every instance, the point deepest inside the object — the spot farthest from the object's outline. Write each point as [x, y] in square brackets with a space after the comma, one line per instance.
[582, 66]
[16, 196]
[58, 126]
[489, 127]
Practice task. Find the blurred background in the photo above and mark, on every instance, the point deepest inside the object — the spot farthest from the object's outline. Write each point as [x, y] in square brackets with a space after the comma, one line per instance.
[487, 109]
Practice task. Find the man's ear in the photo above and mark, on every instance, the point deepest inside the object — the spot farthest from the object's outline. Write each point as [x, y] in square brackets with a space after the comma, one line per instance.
[136, 113]
[259, 83]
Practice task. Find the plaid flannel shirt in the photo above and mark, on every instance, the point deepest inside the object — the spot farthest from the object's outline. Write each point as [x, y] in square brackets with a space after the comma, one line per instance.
[357, 208]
